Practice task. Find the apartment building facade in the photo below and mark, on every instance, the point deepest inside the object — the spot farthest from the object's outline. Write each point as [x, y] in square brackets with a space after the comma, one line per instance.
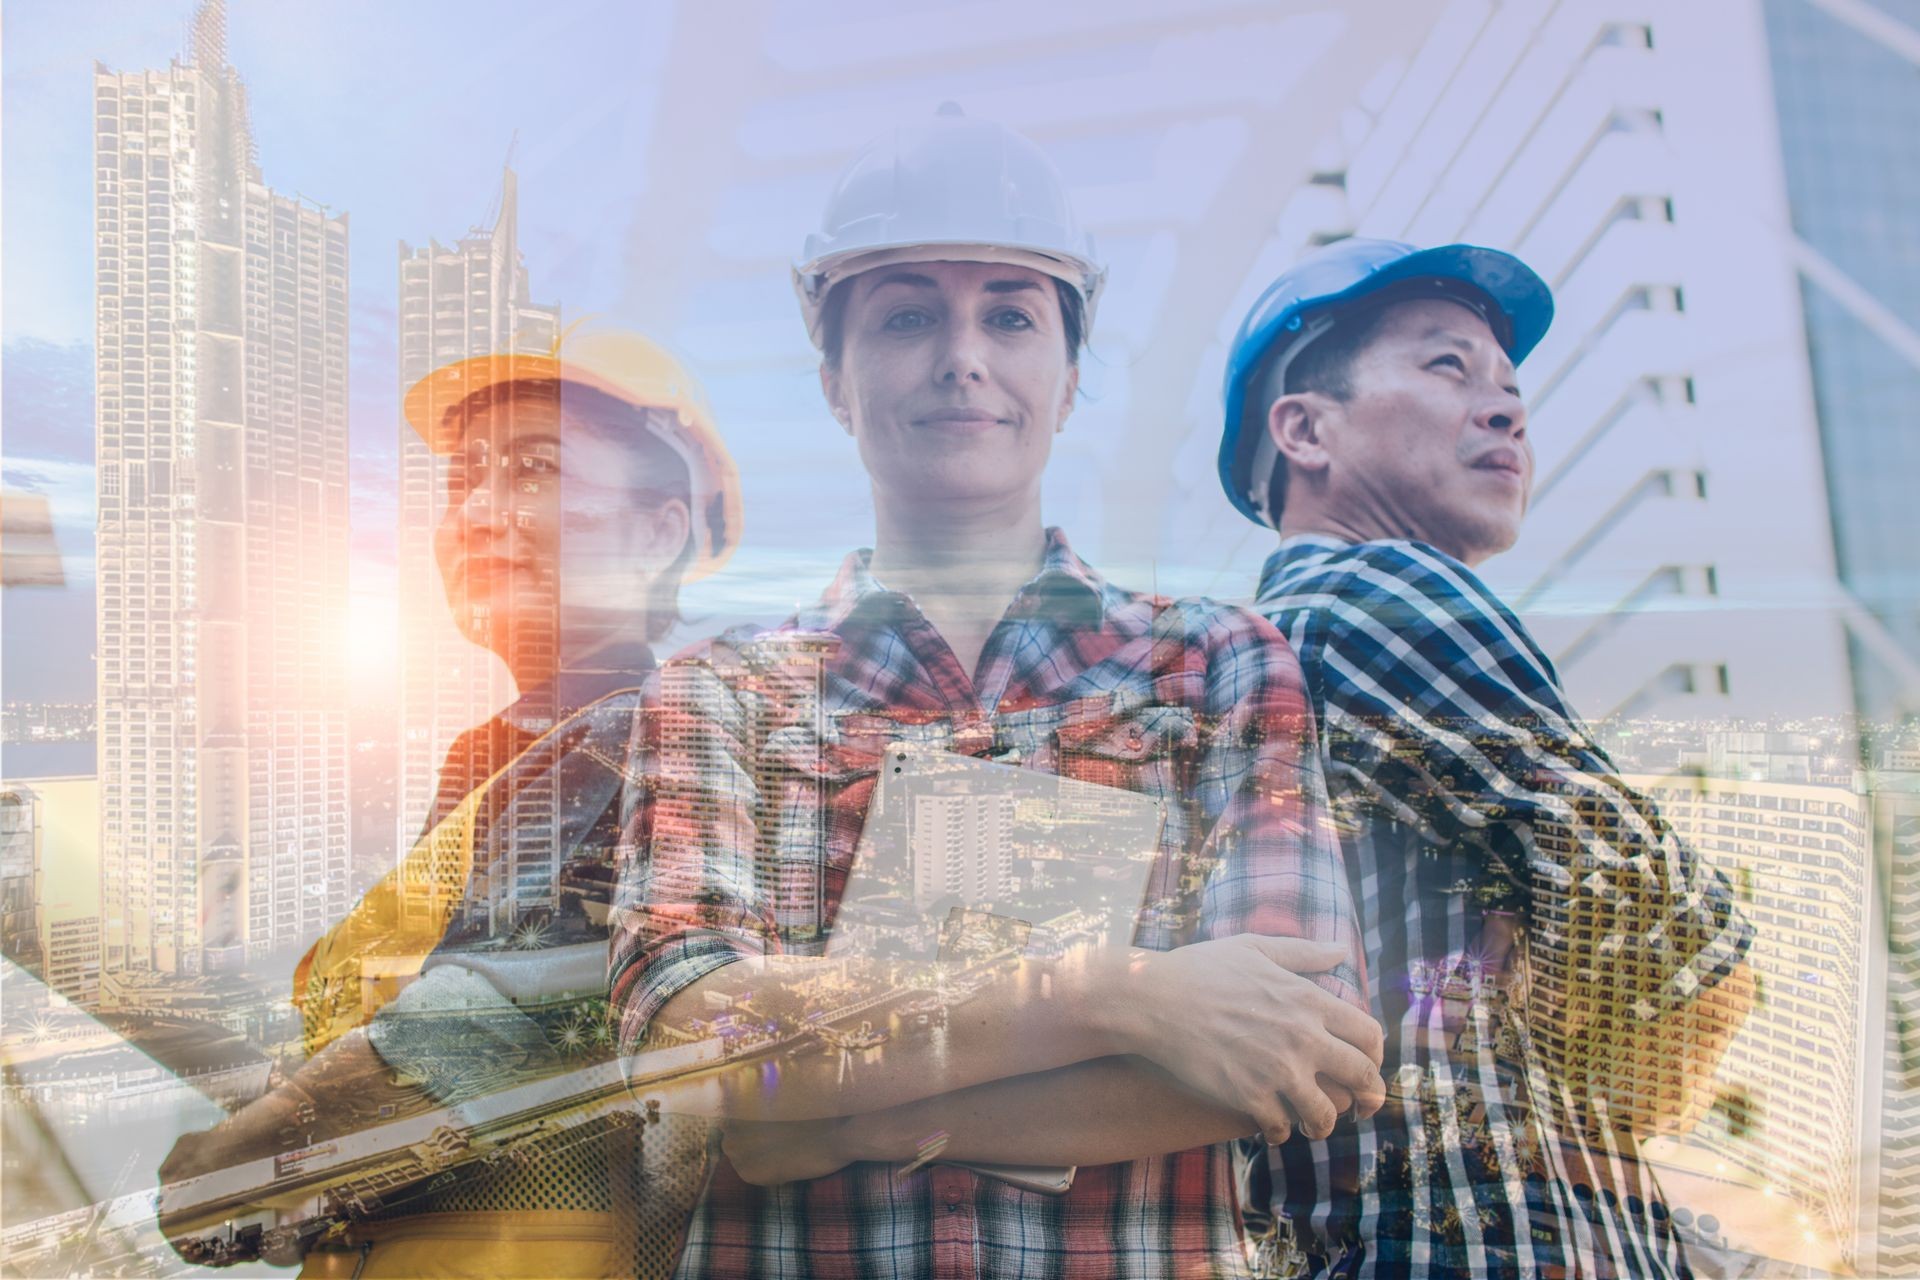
[221, 454]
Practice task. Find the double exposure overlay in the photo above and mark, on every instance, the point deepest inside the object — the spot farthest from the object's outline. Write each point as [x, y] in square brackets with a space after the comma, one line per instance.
[801, 639]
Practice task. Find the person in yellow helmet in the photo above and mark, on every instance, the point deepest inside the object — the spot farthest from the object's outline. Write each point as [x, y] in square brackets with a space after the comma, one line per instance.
[583, 486]
[583, 489]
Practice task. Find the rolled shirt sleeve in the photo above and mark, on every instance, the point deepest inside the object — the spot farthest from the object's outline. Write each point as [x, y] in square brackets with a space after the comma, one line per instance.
[1260, 799]
[1438, 708]
[689, 898]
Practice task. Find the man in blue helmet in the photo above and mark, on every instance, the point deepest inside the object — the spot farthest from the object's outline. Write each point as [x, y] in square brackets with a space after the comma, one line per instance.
[1556, 974]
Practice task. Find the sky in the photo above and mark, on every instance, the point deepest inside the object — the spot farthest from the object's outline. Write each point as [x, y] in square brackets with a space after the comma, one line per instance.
[399, 115]
[402, 115]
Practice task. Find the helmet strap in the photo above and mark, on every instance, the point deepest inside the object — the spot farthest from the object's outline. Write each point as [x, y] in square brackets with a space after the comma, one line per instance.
[1274, 373]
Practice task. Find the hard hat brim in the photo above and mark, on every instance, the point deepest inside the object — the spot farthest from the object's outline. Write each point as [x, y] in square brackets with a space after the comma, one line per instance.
[814, 280]
[1513, 287]
[430, 405]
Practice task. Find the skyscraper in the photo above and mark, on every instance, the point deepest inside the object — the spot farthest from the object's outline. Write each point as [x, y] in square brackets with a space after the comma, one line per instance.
[962, 847]
[755, 721]
[1892, 1138]
[1787, 1117]
[1848, 98]
[20, 878]
[50, 882]
[472, 299]
[221, 449]
[1847, 92]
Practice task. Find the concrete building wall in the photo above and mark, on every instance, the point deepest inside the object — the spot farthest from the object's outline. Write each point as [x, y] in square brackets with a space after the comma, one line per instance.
[1677, 558]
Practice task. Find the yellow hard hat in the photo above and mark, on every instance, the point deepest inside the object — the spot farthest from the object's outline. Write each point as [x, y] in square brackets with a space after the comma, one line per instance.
[628, 367]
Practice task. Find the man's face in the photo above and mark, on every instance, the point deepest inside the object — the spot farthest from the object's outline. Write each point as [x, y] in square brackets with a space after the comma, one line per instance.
[1432, 445]
[953, 378]
[534, 521]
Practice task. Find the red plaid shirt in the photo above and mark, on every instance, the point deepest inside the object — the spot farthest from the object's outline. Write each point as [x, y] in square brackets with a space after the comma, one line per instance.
[759, 753]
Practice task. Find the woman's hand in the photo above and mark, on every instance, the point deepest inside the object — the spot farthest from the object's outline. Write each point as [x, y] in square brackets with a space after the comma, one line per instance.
[1236, 1020]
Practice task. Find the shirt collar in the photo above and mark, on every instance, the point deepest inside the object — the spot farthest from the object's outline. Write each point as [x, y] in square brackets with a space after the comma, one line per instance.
[1293, 548]
[1296, 547]
[1065, 587]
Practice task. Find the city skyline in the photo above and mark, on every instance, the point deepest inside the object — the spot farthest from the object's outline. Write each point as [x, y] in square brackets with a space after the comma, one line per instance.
[371, 164]
[756, 366]
[205, 384]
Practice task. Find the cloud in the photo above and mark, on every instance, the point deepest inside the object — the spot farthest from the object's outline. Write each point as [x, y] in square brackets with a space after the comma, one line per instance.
[25, 479]
[48, 400]
[67, 486]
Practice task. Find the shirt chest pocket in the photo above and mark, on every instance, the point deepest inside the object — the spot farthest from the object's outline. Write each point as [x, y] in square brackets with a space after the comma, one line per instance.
[1147, 749]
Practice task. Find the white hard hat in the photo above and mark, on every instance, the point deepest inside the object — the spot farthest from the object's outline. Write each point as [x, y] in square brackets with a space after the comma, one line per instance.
[952, 189]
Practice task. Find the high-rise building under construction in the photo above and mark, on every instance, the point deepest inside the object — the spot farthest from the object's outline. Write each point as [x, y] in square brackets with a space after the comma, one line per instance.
[221, 447]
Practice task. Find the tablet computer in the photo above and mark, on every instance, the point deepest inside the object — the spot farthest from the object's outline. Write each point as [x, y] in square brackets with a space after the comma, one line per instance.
[964, 861]
[961, 858]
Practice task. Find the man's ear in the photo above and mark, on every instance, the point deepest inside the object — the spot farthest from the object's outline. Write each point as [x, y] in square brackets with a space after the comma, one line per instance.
[1066, 401]
[830, 388]
[1297, 424]
[666, 530]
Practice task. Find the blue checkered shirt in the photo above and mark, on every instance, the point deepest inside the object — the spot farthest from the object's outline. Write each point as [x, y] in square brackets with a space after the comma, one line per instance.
[1532, 928]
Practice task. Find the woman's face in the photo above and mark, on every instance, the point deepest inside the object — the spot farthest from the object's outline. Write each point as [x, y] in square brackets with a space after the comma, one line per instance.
[544, 512]
[953, 379]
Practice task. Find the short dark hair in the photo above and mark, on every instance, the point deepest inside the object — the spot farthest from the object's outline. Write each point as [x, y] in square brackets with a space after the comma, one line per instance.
[656, 472]
[1326, 367]
[833, 320]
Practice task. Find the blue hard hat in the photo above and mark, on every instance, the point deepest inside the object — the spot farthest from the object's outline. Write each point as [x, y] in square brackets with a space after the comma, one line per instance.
[1516, 302]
